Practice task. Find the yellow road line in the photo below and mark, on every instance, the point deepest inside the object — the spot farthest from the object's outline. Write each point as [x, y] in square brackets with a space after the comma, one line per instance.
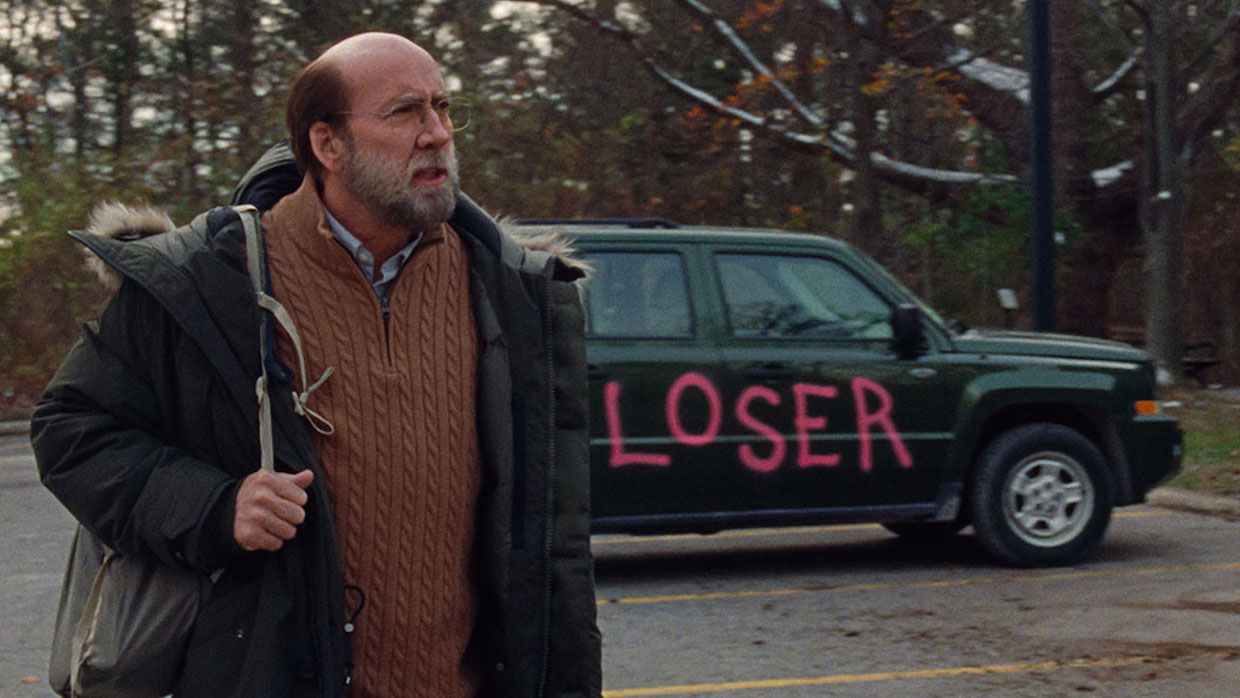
[1042, 576]
[881, 676]
[1141, 514]
[599, 541]
[738, 533]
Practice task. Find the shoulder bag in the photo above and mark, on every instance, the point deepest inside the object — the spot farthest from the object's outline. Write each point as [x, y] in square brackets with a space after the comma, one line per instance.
[124, 621]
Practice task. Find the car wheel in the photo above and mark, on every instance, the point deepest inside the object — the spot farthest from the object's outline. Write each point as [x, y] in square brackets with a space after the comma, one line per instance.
[925, 530]
[1041, 496]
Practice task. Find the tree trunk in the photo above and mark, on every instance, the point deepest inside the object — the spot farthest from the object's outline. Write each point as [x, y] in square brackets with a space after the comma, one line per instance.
[241, 50]
[867, 218]
[1230, 295]
[125, 76]
[1165, 193]
[807, 170]
[1084, 306]
[187, 101]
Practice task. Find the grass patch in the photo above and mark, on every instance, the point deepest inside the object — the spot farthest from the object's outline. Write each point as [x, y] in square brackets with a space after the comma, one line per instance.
[1211, 423]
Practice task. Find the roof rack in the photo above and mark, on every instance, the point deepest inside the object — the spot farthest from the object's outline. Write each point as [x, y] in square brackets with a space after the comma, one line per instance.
[626, 222]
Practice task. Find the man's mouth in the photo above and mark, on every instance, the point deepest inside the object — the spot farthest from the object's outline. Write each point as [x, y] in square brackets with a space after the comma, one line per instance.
[429, 176]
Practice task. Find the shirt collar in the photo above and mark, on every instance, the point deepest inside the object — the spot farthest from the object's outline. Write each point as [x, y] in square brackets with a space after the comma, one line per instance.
[364, 259]
[344, 237]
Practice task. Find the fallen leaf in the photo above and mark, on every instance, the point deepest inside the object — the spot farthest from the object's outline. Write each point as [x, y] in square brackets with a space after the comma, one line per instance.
[30, 679]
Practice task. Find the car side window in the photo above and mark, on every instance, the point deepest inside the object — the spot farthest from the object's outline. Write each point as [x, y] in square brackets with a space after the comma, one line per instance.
[637, 295]
[799, 297]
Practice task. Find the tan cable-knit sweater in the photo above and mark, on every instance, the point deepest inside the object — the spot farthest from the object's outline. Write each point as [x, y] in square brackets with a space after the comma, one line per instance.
[403, 465]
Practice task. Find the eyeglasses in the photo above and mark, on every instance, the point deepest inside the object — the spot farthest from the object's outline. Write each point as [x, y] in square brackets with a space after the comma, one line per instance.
[416, 112]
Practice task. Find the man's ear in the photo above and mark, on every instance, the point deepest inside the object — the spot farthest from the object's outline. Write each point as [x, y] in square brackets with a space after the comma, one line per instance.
[327, 145]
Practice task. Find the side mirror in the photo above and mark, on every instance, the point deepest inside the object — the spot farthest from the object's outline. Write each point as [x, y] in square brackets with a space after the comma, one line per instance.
[908, 335]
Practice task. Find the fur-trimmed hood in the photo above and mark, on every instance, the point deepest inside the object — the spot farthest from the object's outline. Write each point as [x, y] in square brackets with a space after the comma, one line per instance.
[119, 221]
[129, 223]
[545, 244]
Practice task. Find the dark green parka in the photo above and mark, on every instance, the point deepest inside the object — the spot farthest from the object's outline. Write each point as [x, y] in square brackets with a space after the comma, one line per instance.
[151, 422]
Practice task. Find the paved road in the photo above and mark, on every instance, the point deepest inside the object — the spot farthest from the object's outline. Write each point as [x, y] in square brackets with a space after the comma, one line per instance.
[846, 611]
[853, 611]
[34, 543]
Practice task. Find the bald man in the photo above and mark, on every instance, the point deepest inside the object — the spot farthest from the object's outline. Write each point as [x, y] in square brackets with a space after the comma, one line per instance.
[426, 529]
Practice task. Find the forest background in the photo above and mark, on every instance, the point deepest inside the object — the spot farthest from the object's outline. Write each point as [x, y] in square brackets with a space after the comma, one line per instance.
[898, 125]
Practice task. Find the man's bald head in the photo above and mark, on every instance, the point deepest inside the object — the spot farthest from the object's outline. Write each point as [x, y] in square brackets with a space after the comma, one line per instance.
[327, 86]
[363, 48]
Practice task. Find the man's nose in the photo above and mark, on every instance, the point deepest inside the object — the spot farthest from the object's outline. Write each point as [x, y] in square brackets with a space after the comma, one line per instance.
[435, 135]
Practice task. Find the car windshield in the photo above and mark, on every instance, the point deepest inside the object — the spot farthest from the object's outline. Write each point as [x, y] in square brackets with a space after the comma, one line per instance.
[904, 290]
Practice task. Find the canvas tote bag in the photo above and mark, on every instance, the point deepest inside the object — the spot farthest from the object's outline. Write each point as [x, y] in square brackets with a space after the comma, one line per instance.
[123, 624]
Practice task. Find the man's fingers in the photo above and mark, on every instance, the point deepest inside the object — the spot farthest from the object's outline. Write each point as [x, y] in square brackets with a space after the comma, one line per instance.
[266, 505]
[285, 510]
[303, 479]
[269, 508]
[268, 542]
[292, 487]
[262, 530]
[277, 526]
[252, 537]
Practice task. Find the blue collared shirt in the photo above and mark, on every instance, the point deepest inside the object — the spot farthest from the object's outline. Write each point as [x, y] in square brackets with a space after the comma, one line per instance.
[365, 260]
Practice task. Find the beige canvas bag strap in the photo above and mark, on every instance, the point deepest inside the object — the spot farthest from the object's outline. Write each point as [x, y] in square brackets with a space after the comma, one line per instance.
[256, 262]
[87, 627]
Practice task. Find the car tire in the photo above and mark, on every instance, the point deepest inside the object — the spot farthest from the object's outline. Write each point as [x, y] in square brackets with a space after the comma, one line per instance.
[924, 530]
[1041, 496]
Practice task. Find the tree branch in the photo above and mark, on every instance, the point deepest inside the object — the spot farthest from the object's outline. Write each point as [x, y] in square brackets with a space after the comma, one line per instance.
[726, 33]
[907, 176]
[1208, 106]
[850, 12]
[1107, 87]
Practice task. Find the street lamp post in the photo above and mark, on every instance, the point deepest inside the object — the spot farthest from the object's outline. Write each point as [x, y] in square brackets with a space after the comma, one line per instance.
[1042, 194]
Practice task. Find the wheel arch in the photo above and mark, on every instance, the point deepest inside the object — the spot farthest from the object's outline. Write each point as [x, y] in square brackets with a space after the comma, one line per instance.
[1077, 401]
[1090, 421]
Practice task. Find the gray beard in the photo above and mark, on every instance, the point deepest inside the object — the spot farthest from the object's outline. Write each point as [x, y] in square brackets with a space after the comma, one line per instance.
[385, 186]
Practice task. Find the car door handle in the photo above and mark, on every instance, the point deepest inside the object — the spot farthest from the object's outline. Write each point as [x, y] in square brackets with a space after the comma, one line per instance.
[922, 372]
[768, 372]
[595, 372]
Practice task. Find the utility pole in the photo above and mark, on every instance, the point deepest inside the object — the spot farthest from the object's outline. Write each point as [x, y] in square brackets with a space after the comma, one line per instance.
[1166, 203]
[1042, 187]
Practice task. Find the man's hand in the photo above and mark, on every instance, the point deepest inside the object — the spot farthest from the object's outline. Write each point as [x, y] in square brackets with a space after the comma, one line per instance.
[270, 506]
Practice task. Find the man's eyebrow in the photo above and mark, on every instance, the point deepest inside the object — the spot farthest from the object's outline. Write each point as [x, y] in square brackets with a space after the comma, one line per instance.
[411, 98]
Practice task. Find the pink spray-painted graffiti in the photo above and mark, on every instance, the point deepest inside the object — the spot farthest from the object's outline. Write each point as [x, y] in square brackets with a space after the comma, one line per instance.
[866, 421]
[619, 456]
[806, 423]
[672, 404]
[746, 452]
[807, 419]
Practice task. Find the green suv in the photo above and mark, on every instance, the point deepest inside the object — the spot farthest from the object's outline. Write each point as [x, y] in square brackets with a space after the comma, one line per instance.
[745, 377]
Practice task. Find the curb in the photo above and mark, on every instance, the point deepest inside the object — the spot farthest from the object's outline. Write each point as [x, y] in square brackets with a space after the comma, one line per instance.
[14, 428]
[1197, 502]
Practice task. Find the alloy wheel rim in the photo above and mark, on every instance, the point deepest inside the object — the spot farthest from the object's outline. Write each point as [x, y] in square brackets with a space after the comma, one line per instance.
[1048, 499]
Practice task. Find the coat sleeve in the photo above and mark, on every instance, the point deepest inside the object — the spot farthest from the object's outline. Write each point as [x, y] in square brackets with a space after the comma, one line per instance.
[575, 667]
[105, 440]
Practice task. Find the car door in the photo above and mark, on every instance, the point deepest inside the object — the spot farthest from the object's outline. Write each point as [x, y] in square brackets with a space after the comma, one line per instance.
[827, 416]
[655, 410]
